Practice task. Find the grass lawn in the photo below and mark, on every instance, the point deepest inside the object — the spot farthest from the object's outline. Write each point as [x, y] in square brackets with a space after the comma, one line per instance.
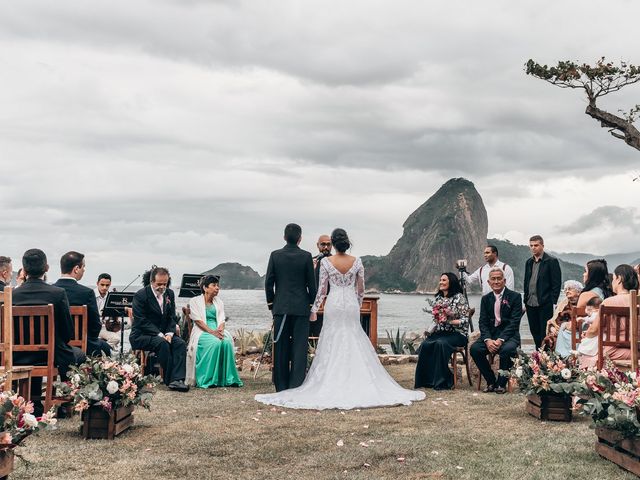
[224, 433]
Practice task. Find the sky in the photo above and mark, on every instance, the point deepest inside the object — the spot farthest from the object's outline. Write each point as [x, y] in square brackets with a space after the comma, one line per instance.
[188, 133]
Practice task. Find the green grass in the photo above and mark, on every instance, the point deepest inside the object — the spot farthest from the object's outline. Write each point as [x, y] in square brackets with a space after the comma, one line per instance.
[224, 433]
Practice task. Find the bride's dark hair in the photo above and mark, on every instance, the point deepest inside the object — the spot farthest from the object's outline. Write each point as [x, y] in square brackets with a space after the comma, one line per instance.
[340, 240]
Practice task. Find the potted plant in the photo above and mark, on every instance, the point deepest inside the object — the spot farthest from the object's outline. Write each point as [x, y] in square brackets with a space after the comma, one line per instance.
[18, 423]
[612, 398]
[549, 382]
[105, 392]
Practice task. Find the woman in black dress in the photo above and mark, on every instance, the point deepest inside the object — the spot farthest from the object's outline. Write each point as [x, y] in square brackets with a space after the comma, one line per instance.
[451, 318]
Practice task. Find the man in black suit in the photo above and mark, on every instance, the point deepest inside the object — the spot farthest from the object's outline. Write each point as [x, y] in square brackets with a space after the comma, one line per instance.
[154, 328]
[500, 314]
[6, 272]
[542, 283]
[72, 266]
[324, 250]
[34, 291]
[291, 290]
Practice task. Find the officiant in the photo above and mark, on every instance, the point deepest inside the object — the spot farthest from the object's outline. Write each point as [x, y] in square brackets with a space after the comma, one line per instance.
[324, 250]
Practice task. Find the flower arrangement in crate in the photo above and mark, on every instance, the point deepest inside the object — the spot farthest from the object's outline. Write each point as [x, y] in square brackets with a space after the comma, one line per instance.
[546, 372]
[18, 421]
[612, 398]
[108, 383]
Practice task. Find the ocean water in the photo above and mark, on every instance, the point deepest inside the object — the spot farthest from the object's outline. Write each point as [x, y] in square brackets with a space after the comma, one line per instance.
[247, 309]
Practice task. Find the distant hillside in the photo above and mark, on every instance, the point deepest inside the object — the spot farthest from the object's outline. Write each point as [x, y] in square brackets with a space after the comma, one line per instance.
[613, 259]
[516, 256]
[236, 276]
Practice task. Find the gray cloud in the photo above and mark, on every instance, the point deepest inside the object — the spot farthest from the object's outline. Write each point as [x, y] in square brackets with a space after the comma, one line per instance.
[189, 133]
[605, 217]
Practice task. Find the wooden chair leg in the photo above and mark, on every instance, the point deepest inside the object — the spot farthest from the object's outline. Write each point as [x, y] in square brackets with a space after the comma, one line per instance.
[465, 358]
[48, 396]
[454, 365]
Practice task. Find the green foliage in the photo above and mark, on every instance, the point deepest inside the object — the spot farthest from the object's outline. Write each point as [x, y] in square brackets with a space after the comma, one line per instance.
[396, 342]
[598, 79]
[544, 372]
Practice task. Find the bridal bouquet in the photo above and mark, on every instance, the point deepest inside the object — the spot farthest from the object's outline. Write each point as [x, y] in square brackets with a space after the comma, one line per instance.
[18, 421]
[108, 383]
[440, 309]
[546, 372]
[612, 398]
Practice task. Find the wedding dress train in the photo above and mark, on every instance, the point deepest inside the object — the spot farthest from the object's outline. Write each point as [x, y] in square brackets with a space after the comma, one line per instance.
[346, 372]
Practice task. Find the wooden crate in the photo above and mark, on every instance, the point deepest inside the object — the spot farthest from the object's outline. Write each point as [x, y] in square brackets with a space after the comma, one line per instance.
[97, 423]
[6, 463]
[614, 447]
[550, 406]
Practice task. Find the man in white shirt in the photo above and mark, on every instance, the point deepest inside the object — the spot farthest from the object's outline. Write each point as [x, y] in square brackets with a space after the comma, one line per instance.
[102, 289]
[481, 275]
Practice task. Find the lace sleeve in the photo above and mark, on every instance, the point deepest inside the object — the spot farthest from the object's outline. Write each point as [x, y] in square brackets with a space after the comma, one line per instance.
[360, 282]
[323, 284]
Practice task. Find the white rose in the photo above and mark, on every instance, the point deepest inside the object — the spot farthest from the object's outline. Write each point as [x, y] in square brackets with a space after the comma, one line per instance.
[112, 387]
[519, 372]
[30, 420]
[76, 380]
[565, 373]
[127, 368]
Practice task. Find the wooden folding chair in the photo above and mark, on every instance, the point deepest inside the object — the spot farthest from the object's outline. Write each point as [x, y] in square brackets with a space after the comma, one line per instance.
[635, 327]
[34, 331]
[615, 331]
[19, 374]
[576, 326]
[464, 351]
[80, 318]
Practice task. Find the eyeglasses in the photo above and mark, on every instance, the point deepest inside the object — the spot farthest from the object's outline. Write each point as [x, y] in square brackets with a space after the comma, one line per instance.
[325, 244]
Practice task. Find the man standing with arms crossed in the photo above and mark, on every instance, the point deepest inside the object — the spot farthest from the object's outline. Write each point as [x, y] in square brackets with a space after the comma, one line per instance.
[542, 283]
[290, 288]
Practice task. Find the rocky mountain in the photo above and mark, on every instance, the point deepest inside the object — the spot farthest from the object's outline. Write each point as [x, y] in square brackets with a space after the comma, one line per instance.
[451, 224]
[236, 276]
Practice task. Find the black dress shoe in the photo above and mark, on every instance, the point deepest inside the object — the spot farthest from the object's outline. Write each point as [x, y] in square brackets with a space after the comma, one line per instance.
[489, 389]
[179, 386]
[500, 390]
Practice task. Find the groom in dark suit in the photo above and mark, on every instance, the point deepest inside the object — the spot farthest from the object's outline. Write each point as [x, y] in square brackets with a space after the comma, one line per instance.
[72, 267]
[500, 314]
[154, 328]
[290, 287]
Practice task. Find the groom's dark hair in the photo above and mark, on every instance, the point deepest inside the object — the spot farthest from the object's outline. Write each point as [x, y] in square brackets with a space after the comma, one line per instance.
[292, 233]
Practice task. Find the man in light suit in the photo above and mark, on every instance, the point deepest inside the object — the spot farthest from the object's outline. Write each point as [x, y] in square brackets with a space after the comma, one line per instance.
[72, 266]
[290, 288]
[500, 314]
[154, 328]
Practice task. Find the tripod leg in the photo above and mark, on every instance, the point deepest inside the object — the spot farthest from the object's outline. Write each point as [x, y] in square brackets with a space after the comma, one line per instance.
[255, 374]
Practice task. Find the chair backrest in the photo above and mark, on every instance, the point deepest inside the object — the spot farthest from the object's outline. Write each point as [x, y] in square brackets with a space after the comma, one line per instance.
[635, 314]
[576, 325]
[34, 330]
[6, 312]
[80, 318]
[615, 329]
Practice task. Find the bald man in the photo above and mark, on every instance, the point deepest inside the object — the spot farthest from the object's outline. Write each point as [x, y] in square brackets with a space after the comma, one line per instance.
[324, 250]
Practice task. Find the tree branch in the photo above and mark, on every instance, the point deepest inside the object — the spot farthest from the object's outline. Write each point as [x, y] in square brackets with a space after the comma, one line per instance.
[628, 132]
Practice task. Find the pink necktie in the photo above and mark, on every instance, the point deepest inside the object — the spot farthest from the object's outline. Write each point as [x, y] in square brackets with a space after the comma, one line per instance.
[496, 310]
[159, 297]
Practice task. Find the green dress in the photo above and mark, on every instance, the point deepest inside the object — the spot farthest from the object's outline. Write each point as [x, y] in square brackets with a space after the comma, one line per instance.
[215, 360]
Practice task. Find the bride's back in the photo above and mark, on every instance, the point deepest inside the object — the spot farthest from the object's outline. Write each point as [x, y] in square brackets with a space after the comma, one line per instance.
[342, 262]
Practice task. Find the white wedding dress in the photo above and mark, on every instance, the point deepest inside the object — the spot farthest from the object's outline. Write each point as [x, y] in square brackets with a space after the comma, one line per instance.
[345, 372]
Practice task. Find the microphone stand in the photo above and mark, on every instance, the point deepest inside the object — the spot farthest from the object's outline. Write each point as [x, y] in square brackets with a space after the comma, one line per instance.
[463, 284]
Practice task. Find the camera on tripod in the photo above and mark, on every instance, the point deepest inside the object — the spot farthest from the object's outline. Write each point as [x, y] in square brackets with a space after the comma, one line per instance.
[461, 265]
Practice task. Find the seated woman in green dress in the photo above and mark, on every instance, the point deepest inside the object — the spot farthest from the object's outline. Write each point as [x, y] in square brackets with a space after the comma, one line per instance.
[210, 353]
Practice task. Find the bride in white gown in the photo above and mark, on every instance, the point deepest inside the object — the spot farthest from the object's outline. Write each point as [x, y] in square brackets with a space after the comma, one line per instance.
[345, 372]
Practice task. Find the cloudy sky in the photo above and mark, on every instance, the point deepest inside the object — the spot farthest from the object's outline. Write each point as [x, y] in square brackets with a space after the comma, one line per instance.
[187, 133]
